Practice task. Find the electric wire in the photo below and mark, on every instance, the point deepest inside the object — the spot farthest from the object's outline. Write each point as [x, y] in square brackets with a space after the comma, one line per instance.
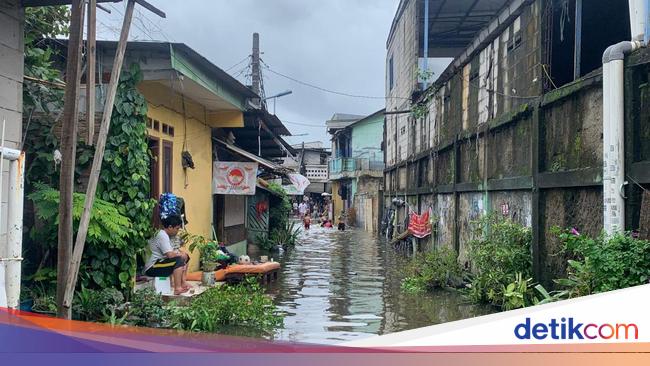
[326, 90]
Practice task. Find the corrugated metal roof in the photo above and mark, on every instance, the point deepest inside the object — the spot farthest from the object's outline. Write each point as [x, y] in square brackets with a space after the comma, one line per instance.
[453, 24]
[250, 156]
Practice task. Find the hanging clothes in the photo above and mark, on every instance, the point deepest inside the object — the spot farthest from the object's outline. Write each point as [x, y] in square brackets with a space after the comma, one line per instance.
[419, 225]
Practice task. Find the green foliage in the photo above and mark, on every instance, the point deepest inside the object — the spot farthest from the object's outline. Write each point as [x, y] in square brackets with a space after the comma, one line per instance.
[46, 22]
[287, 235]
[243, 305]
[518, 294]
[92, 305]
[264, 241]
[42, 22]
[208, 249]
[280, 208]
[124, 180]
[108, 232]
[43, 296]
[45, 276]
[604, 263]
[125, 177]
[433, 270]
[147, 308]
[546, 297]
[106, 223]
[500, 257]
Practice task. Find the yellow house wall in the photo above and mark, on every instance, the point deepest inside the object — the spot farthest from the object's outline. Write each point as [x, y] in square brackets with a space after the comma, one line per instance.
[337, 202]
[197, 193]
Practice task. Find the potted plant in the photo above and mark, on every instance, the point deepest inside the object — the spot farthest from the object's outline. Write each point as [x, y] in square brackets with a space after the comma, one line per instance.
[208, 250]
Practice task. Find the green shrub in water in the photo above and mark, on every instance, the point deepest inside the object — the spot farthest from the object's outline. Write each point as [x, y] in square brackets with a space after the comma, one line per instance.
[243, 305]
[429, 271]
[604, 263]
[148, 309]
[502, 263]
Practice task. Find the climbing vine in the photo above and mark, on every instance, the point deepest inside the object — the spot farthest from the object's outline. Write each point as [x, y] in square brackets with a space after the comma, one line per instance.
[124, 184]
[125, 174]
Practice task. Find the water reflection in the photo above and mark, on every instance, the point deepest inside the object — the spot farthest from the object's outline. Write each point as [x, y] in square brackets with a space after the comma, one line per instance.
[341, 286]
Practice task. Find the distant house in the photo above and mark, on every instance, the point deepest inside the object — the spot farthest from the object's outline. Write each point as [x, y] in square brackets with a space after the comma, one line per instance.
[356, 167]
[311, 161]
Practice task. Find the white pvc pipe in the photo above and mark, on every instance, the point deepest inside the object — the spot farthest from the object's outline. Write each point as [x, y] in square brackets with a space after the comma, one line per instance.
[613, 143]
[638, 13]
[614, 134]
[3, 292]
[15, 230]
[10, 254]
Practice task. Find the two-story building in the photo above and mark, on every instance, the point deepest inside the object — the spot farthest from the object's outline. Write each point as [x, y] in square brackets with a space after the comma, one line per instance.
[356, 167]
[514, 123]
[310, 160]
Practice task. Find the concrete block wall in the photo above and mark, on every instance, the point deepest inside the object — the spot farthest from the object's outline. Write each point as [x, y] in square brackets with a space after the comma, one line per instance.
[403, 49]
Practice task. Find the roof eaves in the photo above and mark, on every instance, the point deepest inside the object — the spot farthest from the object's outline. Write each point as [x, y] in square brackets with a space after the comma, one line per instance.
[218, 72]
[381, 111]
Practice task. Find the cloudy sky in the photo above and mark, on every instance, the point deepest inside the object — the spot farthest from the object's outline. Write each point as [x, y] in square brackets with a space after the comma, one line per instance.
[334, 44]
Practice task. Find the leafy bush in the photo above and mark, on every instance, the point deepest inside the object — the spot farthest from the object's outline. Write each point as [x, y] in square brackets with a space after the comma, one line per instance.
[264, 241]
[93, 305]
[124, 179]
[500, 257]
[280, 207]
[243, 305]
[209, 250]
[43, 297]
[604, 263]
[108, 229]
[286, 236]
[428, 271]
[147, 308]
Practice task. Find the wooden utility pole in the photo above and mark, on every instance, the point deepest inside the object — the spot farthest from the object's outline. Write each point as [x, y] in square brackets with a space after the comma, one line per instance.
[73, 271]
[90, 70]
[68, 151]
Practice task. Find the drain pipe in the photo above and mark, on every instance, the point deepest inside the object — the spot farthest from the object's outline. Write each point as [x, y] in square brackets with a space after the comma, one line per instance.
[11, 254]
[613, 120]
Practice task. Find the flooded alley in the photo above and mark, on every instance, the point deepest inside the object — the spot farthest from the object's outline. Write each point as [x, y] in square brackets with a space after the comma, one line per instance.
[342, 286]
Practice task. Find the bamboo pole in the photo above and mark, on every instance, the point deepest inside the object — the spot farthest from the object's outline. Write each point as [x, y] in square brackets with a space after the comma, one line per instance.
[68, 150]
[90, 70]
[71, 282]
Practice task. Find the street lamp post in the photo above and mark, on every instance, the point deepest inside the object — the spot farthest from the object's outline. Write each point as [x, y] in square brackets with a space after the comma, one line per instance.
[275, 97]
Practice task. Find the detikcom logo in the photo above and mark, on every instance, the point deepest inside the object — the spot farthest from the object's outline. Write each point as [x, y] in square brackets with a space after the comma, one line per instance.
[569, 328]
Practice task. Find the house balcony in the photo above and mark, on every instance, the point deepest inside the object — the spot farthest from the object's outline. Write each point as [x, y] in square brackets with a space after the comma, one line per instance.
[343, 168]
[317, 173]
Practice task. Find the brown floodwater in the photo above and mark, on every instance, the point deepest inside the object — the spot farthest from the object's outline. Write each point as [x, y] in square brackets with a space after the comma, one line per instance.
[342, 286]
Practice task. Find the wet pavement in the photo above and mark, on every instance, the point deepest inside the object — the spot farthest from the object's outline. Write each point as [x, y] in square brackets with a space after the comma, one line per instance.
[343, 286]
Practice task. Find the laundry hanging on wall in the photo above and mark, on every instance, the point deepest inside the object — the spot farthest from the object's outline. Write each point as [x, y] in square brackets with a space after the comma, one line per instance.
[419, 225]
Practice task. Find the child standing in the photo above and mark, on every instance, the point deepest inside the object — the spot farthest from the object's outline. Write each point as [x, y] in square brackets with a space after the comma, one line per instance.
[306, 221]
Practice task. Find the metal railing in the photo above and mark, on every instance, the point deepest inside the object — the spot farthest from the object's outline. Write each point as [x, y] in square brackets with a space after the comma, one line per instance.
[339, 166]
